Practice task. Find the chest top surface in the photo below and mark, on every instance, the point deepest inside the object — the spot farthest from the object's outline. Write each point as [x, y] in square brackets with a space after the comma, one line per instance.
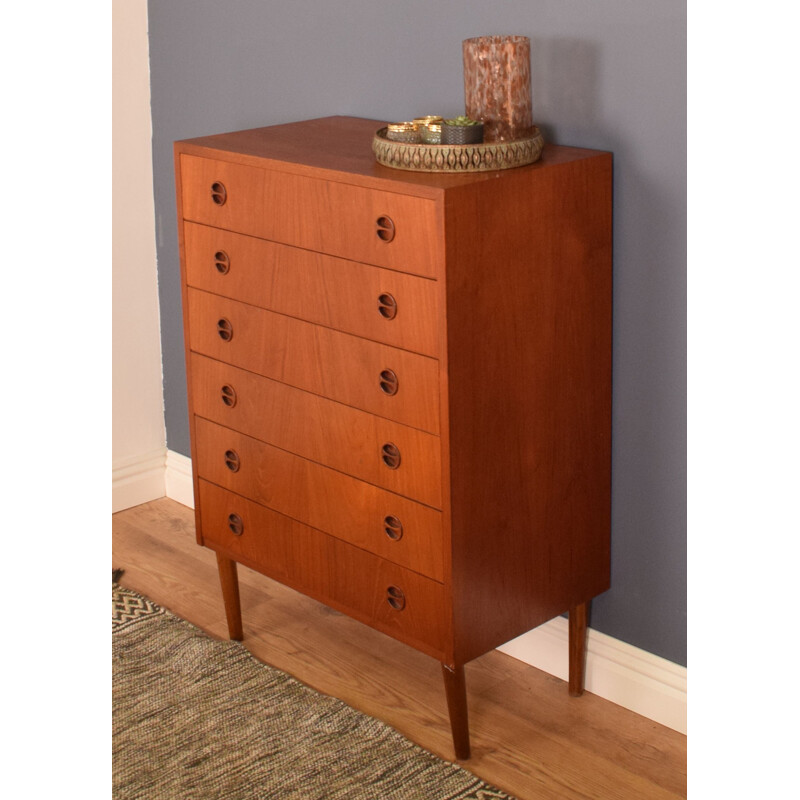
[340, 148]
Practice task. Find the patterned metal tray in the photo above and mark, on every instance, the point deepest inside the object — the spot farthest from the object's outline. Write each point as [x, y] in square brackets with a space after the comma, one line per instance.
[457, 157]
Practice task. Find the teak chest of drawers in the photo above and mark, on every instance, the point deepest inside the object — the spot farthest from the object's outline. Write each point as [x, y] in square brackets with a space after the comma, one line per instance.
[400, 384]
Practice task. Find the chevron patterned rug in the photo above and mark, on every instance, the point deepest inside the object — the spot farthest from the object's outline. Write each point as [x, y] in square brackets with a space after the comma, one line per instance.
[195, 718]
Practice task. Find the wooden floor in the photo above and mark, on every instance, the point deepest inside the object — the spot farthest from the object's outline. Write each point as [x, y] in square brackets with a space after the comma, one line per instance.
[528, 736]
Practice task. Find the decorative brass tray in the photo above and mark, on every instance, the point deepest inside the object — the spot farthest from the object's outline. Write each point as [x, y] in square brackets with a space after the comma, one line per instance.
[457, 157]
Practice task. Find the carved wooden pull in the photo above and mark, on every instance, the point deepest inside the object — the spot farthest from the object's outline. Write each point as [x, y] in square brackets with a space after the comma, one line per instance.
[232, 460]
[225, 330]
[385, 229]
[387, 306]
[391, 455]
[393, 527]
[396, 598]
[222, 262]
[219, 194]
[228, 395]
[236, 524]
[389, 383]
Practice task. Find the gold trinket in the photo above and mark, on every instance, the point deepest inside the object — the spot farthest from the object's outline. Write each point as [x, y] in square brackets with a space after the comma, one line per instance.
[402, 132]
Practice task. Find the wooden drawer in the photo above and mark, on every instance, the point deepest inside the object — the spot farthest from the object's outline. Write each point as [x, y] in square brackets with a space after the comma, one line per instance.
[347, 508]
[337, 365]
[338, 574]
[329, 217]
[330, 291]
[314, 427]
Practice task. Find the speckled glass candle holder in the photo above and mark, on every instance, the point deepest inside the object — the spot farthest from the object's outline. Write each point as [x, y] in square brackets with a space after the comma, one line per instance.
[497, 85]
[431, 133]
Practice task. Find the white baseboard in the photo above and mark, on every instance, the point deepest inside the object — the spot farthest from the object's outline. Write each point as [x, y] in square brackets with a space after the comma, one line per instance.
[138, 479]
[632, 678]
[178, 479]
[616, 671]
[159, 473]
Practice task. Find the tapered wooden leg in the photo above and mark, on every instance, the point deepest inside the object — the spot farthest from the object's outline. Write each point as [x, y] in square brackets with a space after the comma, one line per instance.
[230, 595]
[455, 688]
[577, 649]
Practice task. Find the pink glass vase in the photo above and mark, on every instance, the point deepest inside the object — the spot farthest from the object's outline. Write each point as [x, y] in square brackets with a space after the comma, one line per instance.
[497, 85]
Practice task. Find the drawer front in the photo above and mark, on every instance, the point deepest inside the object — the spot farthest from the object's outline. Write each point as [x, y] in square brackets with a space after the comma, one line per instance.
[336, 365]
[382, 228]
[378, 304]
[392, 599]
[373, 519]
[319, 429]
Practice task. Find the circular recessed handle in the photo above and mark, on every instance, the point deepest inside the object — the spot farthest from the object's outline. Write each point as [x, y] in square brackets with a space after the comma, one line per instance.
[222, 262]
[236, 524]
[391, 455]
[232, 460]
[393, 527]
[388, 382]
[219, 194]
[387, 306]
[225, 329]
[385, 229]
[228, 395]
[396, 598]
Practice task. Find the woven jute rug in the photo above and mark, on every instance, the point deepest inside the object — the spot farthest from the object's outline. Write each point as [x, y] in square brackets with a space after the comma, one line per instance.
[195, 718]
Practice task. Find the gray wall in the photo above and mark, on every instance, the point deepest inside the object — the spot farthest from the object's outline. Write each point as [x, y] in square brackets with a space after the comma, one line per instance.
[609, 75]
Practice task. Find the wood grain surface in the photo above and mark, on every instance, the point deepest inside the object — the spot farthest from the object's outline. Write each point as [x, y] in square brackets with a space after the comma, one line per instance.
[330, 433]
[323, 498]
[362, 585]
[529, 397]
[329, 291]
[320, 215]
[321, 360]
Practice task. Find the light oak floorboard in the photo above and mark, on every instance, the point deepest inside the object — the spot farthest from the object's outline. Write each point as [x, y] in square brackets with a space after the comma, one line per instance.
[528, 736]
